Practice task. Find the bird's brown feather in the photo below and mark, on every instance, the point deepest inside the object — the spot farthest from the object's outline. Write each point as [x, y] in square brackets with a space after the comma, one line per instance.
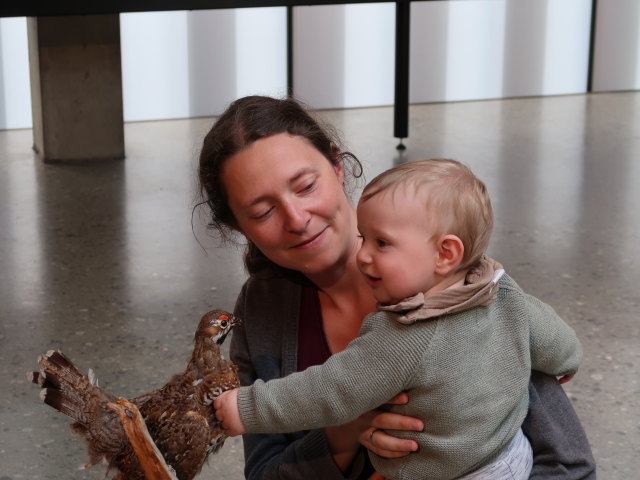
[179, 416]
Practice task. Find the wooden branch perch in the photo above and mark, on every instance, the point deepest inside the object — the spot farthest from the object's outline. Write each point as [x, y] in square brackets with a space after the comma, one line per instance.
[151, 460]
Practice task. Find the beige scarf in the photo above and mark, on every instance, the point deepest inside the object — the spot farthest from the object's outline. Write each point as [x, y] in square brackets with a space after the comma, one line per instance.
[480, 288]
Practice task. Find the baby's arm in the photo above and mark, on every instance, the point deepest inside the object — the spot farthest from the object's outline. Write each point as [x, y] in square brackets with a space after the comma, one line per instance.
[555, 348]
[226, 405]
[372, 369]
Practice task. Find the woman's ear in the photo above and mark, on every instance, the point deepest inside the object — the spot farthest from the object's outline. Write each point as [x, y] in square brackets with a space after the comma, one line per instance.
[334, 151]
[450, 254]
[338, 165]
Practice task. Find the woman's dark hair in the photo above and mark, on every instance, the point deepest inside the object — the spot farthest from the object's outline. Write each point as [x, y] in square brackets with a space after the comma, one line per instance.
[246, 120]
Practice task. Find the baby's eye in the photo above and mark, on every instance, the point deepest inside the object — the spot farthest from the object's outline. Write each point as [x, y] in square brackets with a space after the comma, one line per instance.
[381, 243]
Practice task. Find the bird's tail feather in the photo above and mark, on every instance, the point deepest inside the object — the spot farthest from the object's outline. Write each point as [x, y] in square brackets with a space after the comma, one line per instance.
[64, 387]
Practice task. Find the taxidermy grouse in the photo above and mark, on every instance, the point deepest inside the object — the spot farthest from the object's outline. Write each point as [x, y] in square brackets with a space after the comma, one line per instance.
[179, 416]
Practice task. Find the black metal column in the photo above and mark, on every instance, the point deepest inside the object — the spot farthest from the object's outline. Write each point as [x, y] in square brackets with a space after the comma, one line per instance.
[401, 105]
[592, 44]
[290, 51]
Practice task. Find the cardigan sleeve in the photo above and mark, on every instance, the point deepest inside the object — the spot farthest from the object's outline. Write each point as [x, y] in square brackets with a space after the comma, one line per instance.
[561, 449]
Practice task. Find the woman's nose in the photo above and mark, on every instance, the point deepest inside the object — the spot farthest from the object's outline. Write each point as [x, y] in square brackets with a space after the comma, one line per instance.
[296, 218]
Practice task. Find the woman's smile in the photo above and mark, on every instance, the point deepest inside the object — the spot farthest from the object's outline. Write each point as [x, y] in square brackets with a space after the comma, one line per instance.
[311, 242]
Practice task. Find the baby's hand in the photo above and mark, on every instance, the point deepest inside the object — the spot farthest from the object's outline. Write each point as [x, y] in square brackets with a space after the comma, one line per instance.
[564, 379]
[227, 413]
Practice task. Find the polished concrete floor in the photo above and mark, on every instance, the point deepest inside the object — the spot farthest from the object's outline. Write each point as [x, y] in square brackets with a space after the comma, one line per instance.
[106, 262]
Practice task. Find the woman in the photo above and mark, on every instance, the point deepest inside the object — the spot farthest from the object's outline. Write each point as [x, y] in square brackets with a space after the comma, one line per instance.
[269, 171]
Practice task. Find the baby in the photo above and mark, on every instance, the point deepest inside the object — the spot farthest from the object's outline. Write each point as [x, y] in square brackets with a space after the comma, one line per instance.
[452, 329]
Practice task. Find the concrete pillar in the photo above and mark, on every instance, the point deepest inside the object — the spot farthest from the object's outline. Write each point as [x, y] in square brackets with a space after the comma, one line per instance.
[76, 87]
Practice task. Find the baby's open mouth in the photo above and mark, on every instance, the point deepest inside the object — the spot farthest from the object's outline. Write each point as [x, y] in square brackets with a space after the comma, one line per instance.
[371, 279]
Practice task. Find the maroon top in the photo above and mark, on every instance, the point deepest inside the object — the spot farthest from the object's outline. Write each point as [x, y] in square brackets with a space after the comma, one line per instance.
[313, 348]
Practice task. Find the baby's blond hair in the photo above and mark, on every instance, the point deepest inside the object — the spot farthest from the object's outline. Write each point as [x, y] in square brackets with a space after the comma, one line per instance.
[458, 201]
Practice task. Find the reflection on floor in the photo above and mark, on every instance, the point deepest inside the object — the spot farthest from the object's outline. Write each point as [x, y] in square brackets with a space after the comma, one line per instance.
[106, 261]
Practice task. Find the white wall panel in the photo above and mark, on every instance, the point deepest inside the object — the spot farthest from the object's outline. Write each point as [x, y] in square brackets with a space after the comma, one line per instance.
[184, 64]
[566, 47]
[344, 55]
[154, 63]
[617, 49]
[261, 51]
[190, 64]
[457, 50]
[464, 50]
[15, 93]
[547, 47]
[369, 60]
[524, 46]
[319, 55]
[212, 61]
[475, 49]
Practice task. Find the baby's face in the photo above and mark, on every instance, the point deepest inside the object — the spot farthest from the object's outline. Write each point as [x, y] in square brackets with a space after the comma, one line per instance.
[399, 252]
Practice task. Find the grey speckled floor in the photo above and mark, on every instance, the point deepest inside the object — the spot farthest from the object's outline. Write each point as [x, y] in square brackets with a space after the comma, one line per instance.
[101, 261]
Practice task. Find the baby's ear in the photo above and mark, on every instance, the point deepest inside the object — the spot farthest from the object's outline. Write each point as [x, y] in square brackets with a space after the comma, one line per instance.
[450, 254]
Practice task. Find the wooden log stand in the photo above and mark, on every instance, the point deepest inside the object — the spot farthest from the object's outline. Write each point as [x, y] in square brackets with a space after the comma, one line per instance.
[151, 460]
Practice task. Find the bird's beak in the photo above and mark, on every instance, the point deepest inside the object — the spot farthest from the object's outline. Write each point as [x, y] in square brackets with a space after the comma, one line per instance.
[234, 322]
[219, 336]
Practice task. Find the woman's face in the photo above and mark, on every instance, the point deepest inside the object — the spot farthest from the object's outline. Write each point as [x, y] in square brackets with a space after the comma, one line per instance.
[287, 198]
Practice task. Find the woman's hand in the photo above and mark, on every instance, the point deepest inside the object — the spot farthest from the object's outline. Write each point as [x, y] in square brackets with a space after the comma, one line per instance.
[374, 423]
[367, 430]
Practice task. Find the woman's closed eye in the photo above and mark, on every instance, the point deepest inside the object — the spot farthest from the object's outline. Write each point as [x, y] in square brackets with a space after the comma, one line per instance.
[308, 187]
[262, 214]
